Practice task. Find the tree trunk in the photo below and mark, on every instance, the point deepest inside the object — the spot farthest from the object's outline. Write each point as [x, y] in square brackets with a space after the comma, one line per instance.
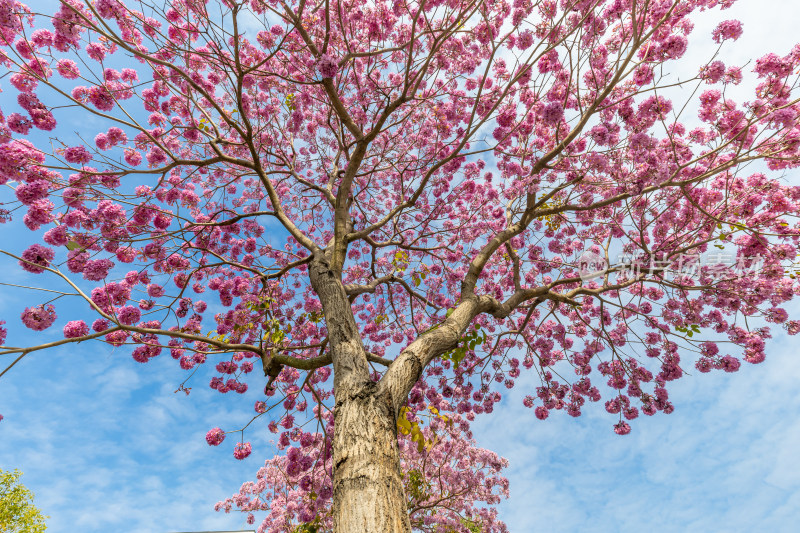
[368, 494]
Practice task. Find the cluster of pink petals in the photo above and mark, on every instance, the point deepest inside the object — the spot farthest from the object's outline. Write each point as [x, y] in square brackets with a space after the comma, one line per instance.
[36, 258]
[40, 317]
[215, 436]
[75, 328]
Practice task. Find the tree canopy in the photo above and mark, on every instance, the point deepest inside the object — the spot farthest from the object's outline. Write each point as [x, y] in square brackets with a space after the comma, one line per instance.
[397, 208]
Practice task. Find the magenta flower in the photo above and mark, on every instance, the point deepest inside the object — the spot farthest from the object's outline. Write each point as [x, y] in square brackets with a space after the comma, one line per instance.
[117, 338]
[326, 66]
[552, 113]
[727, 29]
[56, 236]
[77, 154]
[128, 315]
[68, 69]
[75, 328]
[97, 270]
[241, 450]
[622, 428]
[215, 436]
[36, 258]
[39, 318]
[155, 291]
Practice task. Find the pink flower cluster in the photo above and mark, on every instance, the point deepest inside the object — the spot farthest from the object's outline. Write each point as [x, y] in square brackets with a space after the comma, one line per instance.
[95, 270]
[327, 66]
[36, 258]
[77, 154]
[75, 328]
[39, 318]
[242, 450]
[28, 193]
[68, 69]
[215, 436]
[727, 29]
[128, 315]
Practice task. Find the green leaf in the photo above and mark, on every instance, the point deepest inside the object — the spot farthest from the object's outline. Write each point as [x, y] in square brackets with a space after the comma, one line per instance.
[17, 511]
[72, 245]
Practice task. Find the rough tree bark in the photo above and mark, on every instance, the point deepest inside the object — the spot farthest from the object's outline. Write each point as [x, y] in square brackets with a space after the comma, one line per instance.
[368, 492]
[368, 489]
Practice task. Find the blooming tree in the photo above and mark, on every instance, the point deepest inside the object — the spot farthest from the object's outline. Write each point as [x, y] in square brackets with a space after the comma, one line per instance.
[401, 206]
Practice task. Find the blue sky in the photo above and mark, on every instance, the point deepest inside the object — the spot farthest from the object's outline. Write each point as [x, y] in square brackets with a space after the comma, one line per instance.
[107, 445]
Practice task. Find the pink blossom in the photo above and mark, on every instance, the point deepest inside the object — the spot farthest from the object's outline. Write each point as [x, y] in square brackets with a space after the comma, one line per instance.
[77, 154]
[39, 212]
[215, 436]
[100, 97]
[129, 75]
[18, 124]
[28, 193]
[36, 258]
[23, 82]
[3, 333]
[39, 318]
[155, 291]
[24, 49]
[549, 62]
[727, 29]
[133, 158]
[674, 46]
[68, 69]
[156, 156]
[241, 450]
[95, 270]
[101, 141]
[552, 113]
[96, 51]
[42, 38]
[525, 39]
[772, 64]
[733, 76]
[43, 119]
[622, 428]
[75, 328]
[128, 315]
[109, 8]
[713, 72]
[116, 338]
[76, 260]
